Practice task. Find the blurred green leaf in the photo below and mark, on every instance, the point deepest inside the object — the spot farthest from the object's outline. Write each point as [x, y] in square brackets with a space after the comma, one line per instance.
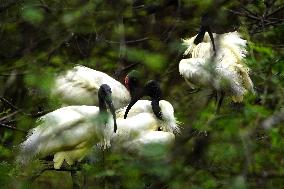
[32, 15]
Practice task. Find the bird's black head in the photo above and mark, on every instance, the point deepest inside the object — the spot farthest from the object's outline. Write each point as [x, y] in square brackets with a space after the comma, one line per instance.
[132, 81]
[153, 90]
[104, 95]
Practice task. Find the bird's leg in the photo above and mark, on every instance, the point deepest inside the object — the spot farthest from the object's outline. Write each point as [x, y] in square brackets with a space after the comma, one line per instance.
[75, 177]
[220, 100]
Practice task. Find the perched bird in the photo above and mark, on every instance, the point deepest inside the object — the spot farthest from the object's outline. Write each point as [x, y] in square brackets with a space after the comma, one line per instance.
[80, 85]
[141, 120]
[224, 70]
[69, 133]
[146, 121]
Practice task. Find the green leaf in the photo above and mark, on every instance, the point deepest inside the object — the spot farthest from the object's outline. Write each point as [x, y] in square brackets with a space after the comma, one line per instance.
[32, 15]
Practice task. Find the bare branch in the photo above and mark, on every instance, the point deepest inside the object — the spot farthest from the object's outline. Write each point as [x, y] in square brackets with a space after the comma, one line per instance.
[276, 11]
[250, 12]
[127, 42]
[8, 5]
[12, 128]
[8, 116]
[21, 111]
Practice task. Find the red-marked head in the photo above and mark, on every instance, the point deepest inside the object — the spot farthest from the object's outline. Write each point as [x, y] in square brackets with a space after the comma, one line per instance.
[126, 82]
[132, 79]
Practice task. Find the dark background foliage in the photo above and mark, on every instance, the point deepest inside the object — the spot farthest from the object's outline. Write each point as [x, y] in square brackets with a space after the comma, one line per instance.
[242, 147]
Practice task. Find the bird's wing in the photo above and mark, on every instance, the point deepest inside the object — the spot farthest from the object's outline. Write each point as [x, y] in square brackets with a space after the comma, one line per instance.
[151, 144]
[130, 127]
[62, 128]
[196, 70]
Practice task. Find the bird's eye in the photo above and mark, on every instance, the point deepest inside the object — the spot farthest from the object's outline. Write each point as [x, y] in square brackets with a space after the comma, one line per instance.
[126, 81]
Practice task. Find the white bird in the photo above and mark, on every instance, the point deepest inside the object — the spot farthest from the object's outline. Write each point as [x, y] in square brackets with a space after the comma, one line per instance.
[223, 70]
[69, 133]
[80, 85]
[146, 122]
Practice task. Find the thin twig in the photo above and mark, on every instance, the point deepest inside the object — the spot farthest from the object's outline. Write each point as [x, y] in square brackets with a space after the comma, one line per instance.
[12, 128]
[127, 42]
[276, 11]
[13, 74]
[21, 111]
[250, 12]
[8, 116]
[80, 51]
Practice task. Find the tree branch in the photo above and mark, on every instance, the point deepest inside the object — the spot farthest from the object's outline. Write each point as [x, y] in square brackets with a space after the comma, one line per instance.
[12, 128]
[7, 6]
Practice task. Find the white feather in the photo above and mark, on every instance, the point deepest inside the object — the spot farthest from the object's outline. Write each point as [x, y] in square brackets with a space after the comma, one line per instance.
[143, 144]
[80, 85]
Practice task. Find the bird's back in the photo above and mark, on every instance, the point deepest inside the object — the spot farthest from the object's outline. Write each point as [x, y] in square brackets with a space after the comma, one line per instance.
[80, 85]
[136, 124]
[60, 130]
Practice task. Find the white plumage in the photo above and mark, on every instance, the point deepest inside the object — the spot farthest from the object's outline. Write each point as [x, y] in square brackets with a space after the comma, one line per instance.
[70, 132]
[229, 45]
[225, 72]
[168, 122]
[140, 129]
[80, 85]
[67, 133]
[143, 144]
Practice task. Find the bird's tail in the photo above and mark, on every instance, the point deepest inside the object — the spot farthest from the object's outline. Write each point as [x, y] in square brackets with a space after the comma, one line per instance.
[28, 149]
[246, 81]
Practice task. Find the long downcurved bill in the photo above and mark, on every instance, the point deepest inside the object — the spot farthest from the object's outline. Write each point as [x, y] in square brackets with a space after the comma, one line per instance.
[132, 102]
[199, 38]
[112, 110]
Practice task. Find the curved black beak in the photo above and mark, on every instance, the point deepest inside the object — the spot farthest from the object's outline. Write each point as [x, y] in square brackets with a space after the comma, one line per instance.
[153, 90]
[112, 110]
[132, 102]
[211, 37]
[200, 36]
[205, 21]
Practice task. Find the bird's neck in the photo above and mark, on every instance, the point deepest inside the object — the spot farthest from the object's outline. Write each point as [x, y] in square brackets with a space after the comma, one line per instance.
[156, 108]
[102, 105]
